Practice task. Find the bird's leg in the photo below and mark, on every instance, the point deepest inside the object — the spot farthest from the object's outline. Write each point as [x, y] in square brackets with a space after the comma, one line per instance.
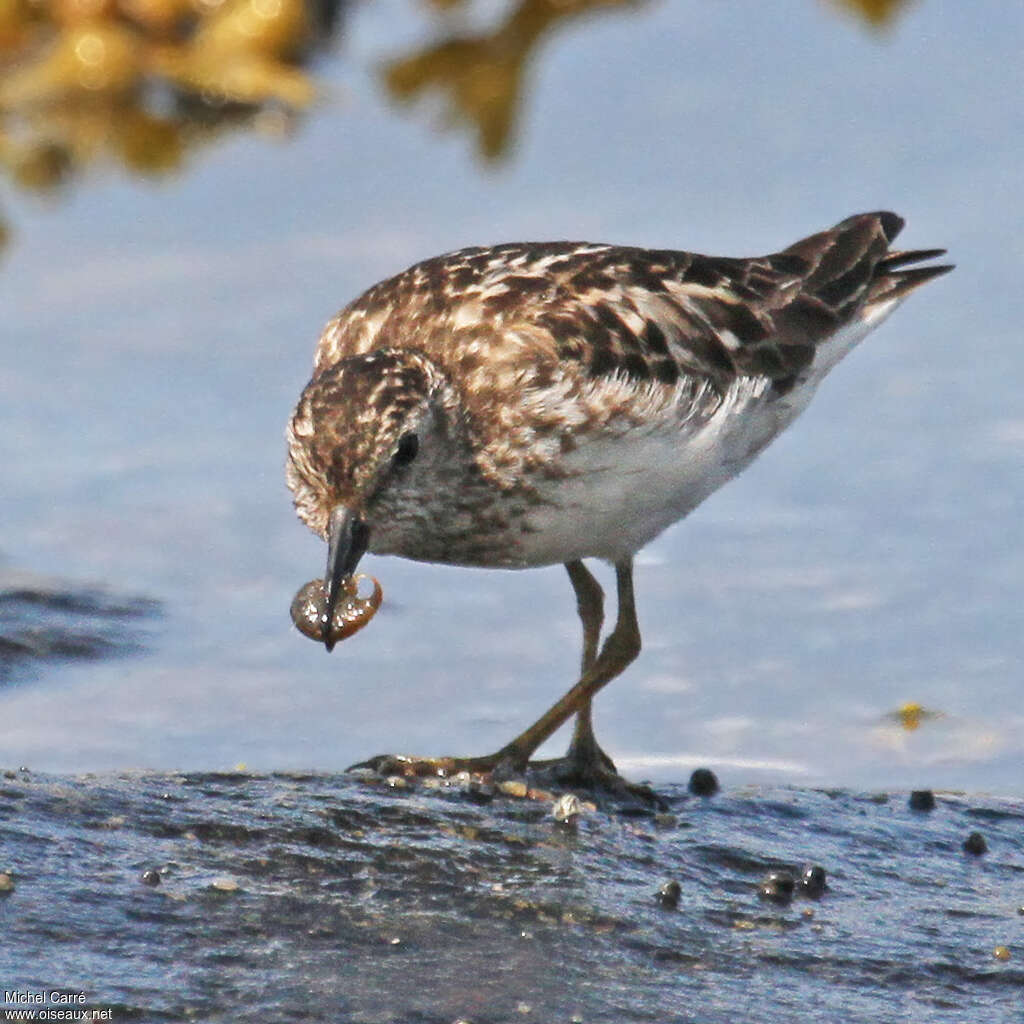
[620, 648]
[584, 749]
[590, 605]
[586, 762]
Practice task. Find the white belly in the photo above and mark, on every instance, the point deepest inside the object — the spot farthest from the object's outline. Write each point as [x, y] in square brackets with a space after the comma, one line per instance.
[623, 489]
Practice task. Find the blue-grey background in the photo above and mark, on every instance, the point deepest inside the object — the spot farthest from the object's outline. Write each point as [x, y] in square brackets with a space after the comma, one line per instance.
[154, 336]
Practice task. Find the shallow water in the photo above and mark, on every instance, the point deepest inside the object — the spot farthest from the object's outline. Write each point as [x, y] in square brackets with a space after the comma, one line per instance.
[156, 334]
[318, 898]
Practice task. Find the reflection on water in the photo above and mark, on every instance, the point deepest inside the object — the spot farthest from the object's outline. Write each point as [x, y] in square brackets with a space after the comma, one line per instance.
[143, 82]
[44, 620]
[482, 75]
[875, 12]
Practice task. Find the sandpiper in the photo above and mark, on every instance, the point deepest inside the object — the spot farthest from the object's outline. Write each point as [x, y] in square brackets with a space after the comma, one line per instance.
[527, 404]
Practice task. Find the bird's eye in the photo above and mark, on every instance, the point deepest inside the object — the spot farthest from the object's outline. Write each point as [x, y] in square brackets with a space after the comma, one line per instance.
[408, 446]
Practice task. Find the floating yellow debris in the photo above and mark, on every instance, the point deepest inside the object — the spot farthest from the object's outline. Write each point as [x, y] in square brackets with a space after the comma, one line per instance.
[875, 12]
[911, 715]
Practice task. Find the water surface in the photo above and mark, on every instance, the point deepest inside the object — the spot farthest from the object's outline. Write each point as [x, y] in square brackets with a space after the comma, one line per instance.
[156, 333]
[298, 897]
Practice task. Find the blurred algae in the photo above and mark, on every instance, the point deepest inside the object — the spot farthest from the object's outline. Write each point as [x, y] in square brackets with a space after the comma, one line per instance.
[141, 81]
[142, 84]
[482, 75]
[878, 13]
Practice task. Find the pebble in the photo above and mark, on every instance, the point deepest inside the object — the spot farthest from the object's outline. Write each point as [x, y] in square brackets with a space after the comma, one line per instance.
[6, 882]
[922, 800]
[513, 787]
[669, 893]
[704, 782]
[478, 792]
[1001, 953]
[150, 877]
[567, 809]
[813, 881]
[778, 887]
[975, 844]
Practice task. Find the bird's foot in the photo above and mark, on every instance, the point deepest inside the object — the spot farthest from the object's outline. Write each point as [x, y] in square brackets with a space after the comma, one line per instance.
[424, 767]
[535, 780]
[597, 776]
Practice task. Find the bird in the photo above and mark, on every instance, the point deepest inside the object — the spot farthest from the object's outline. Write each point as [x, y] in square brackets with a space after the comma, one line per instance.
[530, 404]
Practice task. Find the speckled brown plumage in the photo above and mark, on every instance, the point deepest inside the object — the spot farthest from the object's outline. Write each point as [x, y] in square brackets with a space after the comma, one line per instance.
[533, 403]
[532, 348]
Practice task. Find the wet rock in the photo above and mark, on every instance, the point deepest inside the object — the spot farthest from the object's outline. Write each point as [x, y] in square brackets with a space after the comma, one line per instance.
[975, 844]
[1001, 953]
[477, 792]
[813, 881]
[567, 809]
[921, 800]
[224, 884]
[396, 782]
[704, 782]
[150, 877]
[6, 882]
[778, 887]
[669, 893]
[542, 796]
[513, 787]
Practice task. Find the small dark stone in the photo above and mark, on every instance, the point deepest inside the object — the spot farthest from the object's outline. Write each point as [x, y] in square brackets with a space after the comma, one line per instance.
[477, 792]
[922, 800]
[704, 782]
[812, 881]
[150, 877]
[975, 844]
[669, 893]
[778, 886]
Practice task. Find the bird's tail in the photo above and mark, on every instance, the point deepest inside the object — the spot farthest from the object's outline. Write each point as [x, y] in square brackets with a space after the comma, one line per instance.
[852, 264]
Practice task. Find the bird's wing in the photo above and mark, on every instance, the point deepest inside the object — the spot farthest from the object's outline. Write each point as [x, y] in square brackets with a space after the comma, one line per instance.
[645, 314]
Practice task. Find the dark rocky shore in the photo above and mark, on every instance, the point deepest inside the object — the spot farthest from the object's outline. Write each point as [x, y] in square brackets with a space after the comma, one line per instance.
[239, 897]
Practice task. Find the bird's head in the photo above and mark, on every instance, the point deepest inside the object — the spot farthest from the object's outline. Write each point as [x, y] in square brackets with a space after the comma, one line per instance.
[366, 449]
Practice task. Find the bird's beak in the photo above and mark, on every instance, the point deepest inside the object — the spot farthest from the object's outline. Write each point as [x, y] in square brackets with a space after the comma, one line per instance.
[347, 537]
